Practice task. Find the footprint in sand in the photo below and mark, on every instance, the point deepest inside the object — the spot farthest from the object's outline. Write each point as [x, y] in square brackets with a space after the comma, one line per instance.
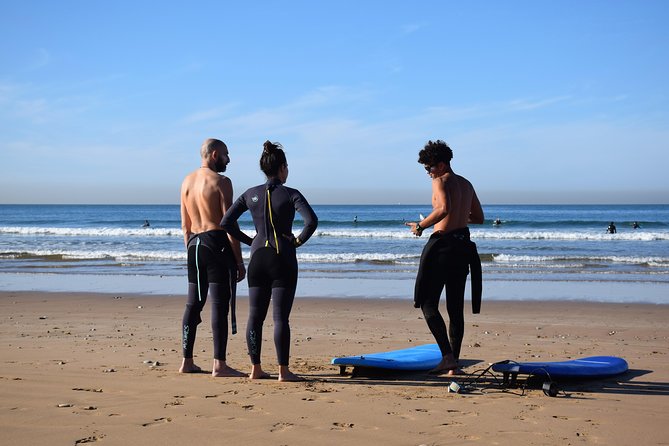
[174, 403]
[278, 427]
[91, 439]
[157, 421]
[451, 424]
[342, 426]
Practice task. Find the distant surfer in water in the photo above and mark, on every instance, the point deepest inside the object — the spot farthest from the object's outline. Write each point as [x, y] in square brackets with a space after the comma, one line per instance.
[273, 265]
[497, 222]
[448, 254]
[635, 225]
[611, 229]
[146, 224]
[214, 259]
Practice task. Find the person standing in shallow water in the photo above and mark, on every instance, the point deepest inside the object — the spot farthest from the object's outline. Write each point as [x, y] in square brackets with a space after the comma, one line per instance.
[214, 258]
[448, 254]
[273, 265]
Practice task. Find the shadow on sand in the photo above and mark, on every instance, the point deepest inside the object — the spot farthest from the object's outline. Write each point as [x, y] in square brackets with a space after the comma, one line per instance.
[482, 380]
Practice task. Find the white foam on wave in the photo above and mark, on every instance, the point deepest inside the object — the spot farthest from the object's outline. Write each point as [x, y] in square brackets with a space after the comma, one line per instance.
[482, 234]
[166, 255]
[349, 257]
[345, 257]
[651, 261]
[563, 235]
[97, 232]
[93, 232]
[98, 254]
[400, 233]
[364, 234]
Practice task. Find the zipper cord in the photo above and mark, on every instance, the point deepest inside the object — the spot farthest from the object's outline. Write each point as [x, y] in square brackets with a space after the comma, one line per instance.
[271, 221]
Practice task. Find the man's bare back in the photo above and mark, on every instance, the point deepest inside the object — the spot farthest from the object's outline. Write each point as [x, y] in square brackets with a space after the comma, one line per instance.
[455, 196]
[205, 196]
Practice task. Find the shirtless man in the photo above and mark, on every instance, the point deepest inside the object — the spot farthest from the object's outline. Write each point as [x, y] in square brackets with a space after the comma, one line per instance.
[214, 258]
[449, 252]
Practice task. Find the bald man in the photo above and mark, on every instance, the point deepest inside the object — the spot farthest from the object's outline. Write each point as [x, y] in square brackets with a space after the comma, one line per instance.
[215, 262]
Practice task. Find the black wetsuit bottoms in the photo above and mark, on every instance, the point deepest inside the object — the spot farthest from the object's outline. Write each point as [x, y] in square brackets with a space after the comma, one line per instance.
[211, 271]
[445, 264]
[271, 276]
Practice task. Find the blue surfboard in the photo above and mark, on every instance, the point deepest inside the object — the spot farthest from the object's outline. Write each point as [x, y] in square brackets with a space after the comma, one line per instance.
[584, 368]
[421, 357]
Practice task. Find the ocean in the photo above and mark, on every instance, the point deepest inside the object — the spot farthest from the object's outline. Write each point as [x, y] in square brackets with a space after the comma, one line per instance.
[537, 252]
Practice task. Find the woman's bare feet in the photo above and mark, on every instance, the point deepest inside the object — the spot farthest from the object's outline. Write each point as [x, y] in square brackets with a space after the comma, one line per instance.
[286, 375]
[258, 373]
[188, 366]
[222, 370]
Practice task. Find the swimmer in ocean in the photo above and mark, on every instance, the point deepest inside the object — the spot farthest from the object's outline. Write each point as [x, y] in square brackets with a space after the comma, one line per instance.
[611, 229]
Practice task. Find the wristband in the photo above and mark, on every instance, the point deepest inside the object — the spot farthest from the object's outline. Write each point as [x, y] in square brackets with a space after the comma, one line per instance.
[418, 228]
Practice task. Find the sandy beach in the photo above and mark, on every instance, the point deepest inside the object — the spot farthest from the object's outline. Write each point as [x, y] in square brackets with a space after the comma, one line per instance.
[86, 368]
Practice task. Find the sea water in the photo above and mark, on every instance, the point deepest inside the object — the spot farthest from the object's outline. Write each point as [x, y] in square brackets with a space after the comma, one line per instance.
[545, 251]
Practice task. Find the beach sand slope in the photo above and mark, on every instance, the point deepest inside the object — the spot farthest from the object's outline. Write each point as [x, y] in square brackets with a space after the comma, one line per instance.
[84, 369]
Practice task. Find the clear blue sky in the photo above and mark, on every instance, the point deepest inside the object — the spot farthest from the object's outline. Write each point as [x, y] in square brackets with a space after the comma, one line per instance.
[542, 102]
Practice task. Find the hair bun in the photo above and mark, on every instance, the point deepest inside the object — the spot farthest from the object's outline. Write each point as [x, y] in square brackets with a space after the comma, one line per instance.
[268, 147]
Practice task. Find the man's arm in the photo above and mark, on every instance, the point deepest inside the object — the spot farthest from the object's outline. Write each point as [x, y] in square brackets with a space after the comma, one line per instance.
[440, 206]
[185, 218]
[476, 213]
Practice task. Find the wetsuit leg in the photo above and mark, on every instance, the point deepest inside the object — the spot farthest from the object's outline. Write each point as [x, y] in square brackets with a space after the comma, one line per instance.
[198, 287]
[259, 298]
[430, 307]
[455, 301]
[260, 293]
[283, 303]
[197, 296]
[220, 303]
[220, 292]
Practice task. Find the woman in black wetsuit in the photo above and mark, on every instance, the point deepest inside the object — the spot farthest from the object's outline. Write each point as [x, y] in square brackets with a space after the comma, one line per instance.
[272, 272]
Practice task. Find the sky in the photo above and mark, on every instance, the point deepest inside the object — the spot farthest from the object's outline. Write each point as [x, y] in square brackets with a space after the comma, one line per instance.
[541, 101]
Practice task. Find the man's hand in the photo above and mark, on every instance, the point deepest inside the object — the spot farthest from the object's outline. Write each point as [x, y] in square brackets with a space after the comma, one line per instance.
[241, 272]
[415, 228]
